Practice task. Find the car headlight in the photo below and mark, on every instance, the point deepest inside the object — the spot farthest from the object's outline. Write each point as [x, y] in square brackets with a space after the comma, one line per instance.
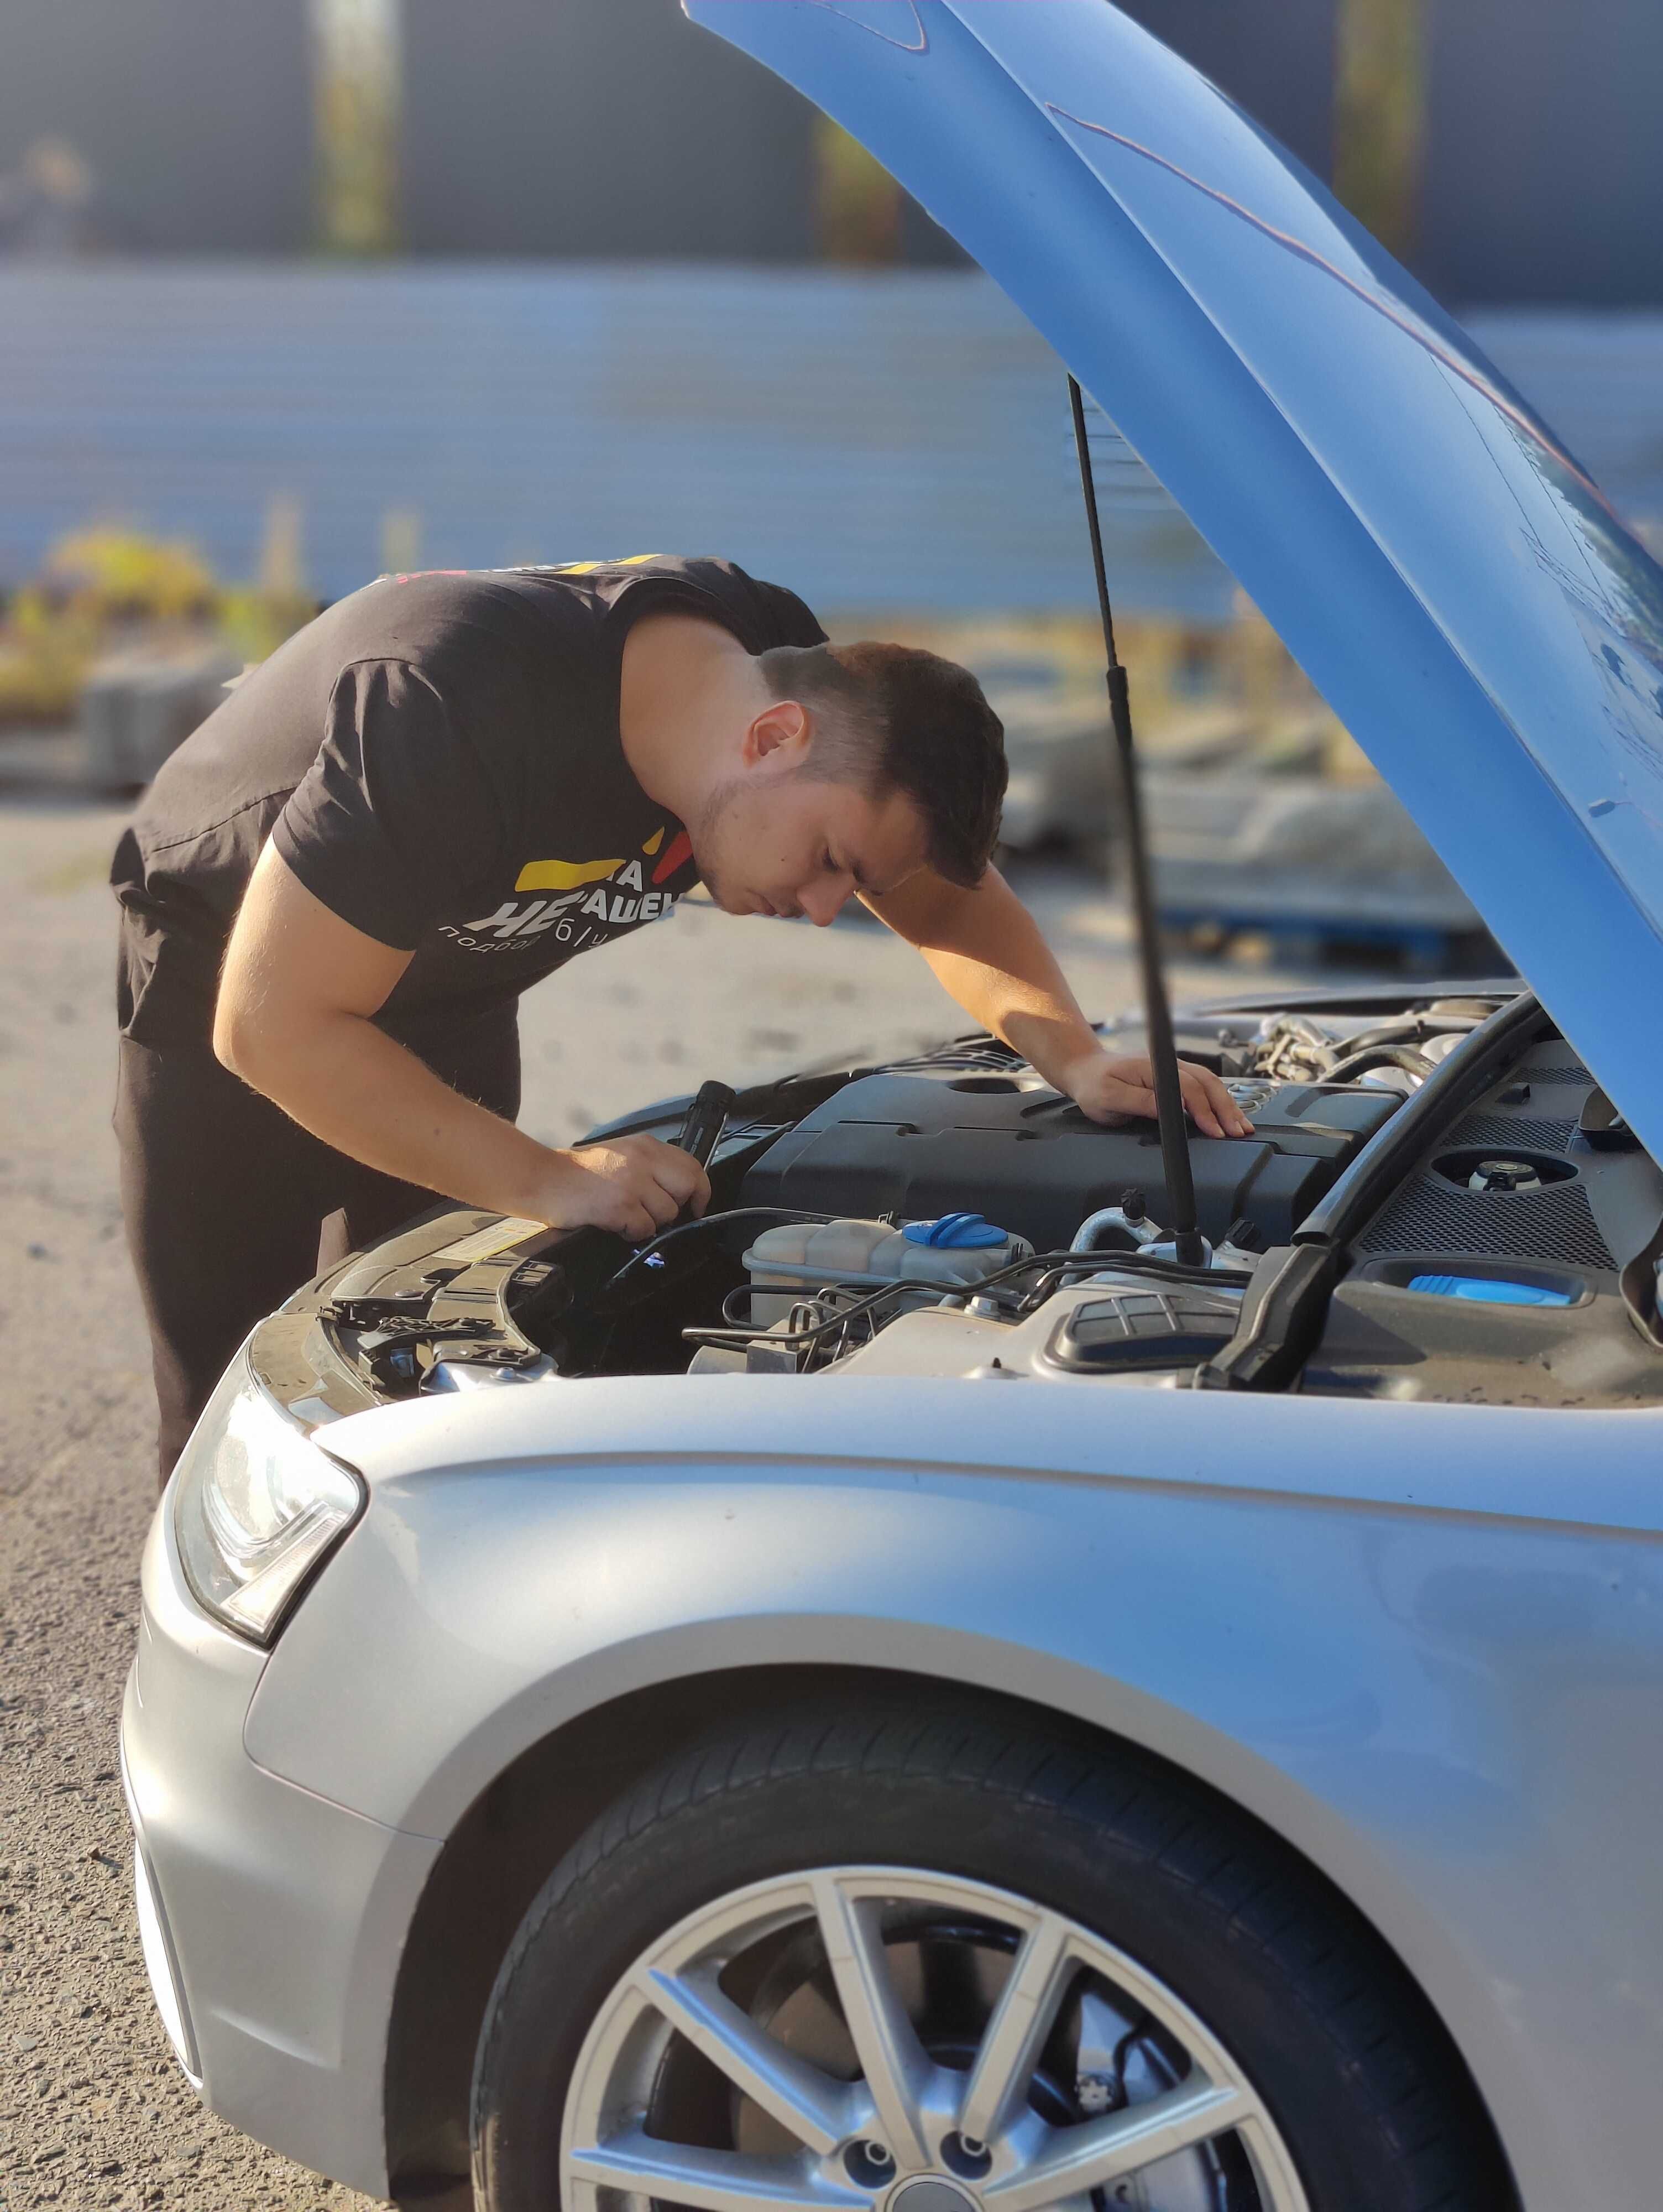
[257, 1506]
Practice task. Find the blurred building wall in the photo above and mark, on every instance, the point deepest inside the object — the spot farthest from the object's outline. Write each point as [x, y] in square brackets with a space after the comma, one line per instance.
[608, 132]
[891, 438]
[1544, 167]
[194, 116]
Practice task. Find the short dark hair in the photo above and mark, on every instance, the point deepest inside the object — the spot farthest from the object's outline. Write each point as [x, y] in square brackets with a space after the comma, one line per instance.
[895, 718]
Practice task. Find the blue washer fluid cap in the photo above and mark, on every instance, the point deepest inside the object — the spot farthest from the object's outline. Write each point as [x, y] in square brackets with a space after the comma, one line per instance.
[958, 1232]
[1486, 1289]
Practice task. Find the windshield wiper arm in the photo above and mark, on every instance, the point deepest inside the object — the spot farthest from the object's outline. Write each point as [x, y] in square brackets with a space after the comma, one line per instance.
[1157, 1010]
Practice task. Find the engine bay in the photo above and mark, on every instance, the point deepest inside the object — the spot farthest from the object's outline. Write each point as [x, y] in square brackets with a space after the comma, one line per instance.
[921, 1142]
[1435, 1201]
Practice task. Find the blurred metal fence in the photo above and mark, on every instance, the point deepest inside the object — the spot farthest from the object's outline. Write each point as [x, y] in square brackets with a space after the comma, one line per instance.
[877, 440]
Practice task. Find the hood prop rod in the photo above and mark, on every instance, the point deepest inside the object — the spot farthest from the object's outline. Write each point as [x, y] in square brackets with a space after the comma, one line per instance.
[1157, 1011]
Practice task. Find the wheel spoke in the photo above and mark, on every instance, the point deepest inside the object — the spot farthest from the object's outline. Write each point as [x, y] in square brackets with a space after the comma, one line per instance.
[817, 2110]
[1021, 2021]
[891, 2057]
[1081, 2158]
[709, 2180]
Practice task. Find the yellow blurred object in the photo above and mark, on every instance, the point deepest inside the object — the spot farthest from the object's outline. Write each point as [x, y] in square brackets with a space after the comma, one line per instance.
[109, 588]
[1379, 116]
[281, 571]
[355, 103]
[401, 540]
[119, 575]
[97, 585]
[857, 203]
[41, 665]
[255, 618]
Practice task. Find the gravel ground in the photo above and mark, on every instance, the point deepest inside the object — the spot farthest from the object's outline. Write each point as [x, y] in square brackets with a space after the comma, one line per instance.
[93, 2110]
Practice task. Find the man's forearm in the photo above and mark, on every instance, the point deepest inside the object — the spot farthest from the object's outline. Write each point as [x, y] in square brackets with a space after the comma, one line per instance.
[359, 1090]
[994, 962]
[1038, 1019]
[298, 993]
[987, 950]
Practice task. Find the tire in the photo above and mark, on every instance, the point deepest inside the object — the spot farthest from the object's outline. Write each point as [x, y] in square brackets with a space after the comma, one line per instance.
[1235, 1964]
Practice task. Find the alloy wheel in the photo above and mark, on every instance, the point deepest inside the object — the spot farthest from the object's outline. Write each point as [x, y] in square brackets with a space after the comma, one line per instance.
[880, 2039]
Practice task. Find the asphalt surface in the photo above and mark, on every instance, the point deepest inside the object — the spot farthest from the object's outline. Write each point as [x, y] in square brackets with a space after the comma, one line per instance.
[94, 2111]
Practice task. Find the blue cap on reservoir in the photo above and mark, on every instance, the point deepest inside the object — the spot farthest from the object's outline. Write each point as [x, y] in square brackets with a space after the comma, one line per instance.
[958, 1232]
[1486, 1289]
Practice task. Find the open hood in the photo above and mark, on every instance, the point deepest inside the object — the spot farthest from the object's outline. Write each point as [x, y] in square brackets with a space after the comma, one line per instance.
[1448, 575]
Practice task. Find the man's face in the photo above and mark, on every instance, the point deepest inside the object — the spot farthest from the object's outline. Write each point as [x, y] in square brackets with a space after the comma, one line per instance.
[777, 839]
[796, 846]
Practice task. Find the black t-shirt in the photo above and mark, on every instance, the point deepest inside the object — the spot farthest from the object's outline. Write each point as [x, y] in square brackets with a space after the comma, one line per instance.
[437, 758]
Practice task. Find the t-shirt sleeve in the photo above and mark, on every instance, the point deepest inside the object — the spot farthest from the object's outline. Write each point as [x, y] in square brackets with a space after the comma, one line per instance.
[395, 817]
[759, 615]
[788, 617]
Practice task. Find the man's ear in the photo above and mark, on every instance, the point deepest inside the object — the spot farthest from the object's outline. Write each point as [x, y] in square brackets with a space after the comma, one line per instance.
[780, 735]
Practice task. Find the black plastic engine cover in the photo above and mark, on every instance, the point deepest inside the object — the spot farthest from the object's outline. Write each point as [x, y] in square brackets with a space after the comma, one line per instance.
[919, 1144]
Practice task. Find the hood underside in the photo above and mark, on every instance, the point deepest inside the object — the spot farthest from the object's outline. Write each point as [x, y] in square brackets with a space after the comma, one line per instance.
[1448, 575]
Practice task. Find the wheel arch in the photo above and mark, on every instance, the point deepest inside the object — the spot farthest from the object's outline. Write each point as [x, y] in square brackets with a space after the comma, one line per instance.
[499, 1854]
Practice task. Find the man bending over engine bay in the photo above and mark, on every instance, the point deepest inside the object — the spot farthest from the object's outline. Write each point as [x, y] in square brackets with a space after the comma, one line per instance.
[439, 793]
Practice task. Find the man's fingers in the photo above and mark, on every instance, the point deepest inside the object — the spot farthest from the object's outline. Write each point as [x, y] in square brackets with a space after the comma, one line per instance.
[1127, 1086]
[1210, 1104]
[1234, 1121]
[664, 1174]
[635, 1188]
[684, 1179]
[1130, 1089]
[1199, 1103]
[661, 1202]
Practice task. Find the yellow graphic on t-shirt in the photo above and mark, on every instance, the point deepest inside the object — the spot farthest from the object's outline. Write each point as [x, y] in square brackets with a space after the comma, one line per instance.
[588, 567]
[617, 897]
[563, 875]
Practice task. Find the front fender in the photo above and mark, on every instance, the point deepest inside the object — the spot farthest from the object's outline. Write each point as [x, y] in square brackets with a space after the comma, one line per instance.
[1421, 1643]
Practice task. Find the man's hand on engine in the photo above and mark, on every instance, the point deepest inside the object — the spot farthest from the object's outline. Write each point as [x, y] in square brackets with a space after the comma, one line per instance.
[1100, 1086]
[635, 1185]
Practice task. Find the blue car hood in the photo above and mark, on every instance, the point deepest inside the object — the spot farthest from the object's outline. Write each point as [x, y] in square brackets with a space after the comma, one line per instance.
[1446, 573]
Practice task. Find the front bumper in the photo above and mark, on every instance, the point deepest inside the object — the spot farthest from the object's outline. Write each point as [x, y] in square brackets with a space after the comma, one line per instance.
[275, 1918]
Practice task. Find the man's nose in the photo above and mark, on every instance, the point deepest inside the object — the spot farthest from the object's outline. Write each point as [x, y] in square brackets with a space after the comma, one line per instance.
[824, 900]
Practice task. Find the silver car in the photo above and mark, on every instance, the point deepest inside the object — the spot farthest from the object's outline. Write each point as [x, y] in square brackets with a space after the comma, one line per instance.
[1136, 1731]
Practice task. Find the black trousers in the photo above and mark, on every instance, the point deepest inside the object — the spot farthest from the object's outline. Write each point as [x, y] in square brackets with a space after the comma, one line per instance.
[230, 1206]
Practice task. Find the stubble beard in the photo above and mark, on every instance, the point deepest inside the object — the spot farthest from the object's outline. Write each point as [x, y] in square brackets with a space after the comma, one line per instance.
[709, 842]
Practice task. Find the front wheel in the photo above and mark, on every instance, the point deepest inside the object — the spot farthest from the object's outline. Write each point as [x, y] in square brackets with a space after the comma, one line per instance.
[870, 1963]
